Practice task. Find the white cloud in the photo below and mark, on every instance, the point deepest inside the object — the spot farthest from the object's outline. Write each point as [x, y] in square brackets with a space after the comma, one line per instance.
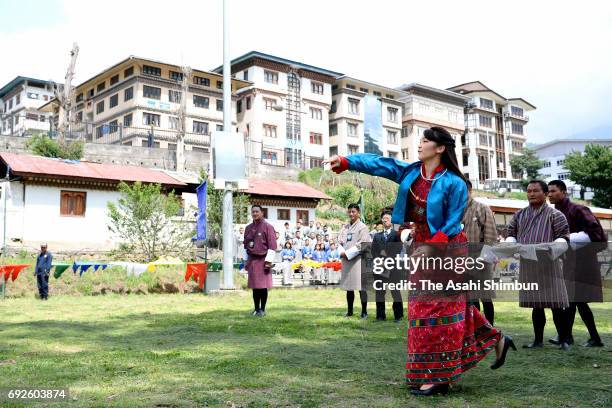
[556, 55]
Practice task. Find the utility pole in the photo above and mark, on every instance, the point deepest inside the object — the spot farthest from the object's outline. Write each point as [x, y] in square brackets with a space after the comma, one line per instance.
[182, 120]
[228, 205]
[64, 96]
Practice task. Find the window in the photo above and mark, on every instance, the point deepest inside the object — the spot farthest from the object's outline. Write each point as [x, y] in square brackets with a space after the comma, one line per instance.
[239, 106]
[302, 215]
[316, 113]
[201, 81]
[316, 138]
[172, 146]
[316, 162]
[405, 132]
[248, 102]
[219, 84]
[333, 107]
[392, 115]
[485, 121]
[219, 104]
[405, 154]
[79, 116]
[486, 103]
[176, 76]
[333, 129]
[173, 122]
[149, 70]
[200, 101]
[31, 116]
[101, 87]
[349, 86]
[547, 163]
[517, 128]
[389, 96]
[517, 147]
[128, 72]
[483, 140]
[72, 203]
[265, 212]
[465, 159]
[352, 149]
[317, 88]
[283, 214]
[79, 97]
[270, 103]
[268, 157]
[391, 154]
[333, 150]
[516, 111]
[42, 118]
[219, 128]
[364, 90]
[391, 137]
[269, 130]
[560, 162]
[174, 96]
[127, 120]
[31, 95]
[46, 97]
[113, 126]
[271, 77]
[128, 93]
[114, 101]
[376, 93]
[352, 129]
[245, 75]
[452, 116]
[354, 106]
[90, 93]
[100, 107]
[114, 79]
[150, 119]
[151, 92]
[564, 176]
[200, 127]
[10, 103]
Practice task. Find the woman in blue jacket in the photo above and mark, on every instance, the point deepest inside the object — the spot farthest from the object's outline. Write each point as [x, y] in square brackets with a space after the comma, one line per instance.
[288, 256]
[446, 337]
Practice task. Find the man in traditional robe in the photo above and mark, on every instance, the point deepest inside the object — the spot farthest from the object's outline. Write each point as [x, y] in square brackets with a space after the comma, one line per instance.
[260, 245]
[581, 267]
[353, 240]
[535, 224]
[42, 271]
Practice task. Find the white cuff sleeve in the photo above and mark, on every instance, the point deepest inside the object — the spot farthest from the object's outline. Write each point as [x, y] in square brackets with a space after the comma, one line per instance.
[510, 239]
[270, 255]
[579, 237]
[405, 235]
[340, 250]
[352, 252]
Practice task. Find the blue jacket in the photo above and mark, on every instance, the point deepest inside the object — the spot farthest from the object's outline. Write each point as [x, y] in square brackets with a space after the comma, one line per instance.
[446, 201]
[288, 254]
[43, 264]
[306, 251]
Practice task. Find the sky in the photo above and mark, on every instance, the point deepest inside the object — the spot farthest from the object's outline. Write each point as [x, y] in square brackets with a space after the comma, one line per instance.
[556, 55]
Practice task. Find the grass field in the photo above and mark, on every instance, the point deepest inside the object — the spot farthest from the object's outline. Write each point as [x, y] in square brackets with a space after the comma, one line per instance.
[186, 350]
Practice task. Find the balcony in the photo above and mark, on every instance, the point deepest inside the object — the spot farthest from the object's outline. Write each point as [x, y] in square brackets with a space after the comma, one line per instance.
[517, 116]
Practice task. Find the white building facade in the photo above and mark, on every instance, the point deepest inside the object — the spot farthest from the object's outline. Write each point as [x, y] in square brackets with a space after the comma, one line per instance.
[19, 103]
[495, 131]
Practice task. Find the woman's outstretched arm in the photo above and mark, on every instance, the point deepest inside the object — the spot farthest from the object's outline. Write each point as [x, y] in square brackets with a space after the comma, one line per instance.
[369, 163]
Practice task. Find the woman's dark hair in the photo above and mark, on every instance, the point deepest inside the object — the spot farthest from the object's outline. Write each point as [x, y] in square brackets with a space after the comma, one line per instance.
[442, 137]
[288, 243]
[318, 247]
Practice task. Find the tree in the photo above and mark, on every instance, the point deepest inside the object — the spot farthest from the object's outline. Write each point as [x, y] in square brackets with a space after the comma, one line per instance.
[148, 222]
[527, 163]
[593, 168]
[42, 145]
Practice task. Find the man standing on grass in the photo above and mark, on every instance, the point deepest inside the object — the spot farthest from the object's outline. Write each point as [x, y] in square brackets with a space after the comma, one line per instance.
[260, 245]
[581, 267]
[42, 271]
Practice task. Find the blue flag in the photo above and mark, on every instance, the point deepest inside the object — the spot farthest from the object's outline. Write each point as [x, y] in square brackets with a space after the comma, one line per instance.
[201, 217]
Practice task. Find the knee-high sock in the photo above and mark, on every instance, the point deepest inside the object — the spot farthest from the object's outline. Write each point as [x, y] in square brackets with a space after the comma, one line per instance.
[489, 310]
[538, 318]
[350, 299]
[363, 296]
[264, 298]
[589, 321]
[560, 320]
[256, 298]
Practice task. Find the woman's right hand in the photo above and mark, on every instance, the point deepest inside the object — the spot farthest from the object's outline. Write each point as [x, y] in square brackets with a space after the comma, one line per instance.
[334, 162]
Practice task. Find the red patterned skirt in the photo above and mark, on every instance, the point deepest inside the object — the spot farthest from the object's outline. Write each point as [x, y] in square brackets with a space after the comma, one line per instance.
[446, 337]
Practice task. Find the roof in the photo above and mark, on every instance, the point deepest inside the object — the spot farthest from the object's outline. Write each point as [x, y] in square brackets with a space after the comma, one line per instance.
[17, 81]
[447, 93]
[477, 86]
[573, 140]
[29, 165]
[282, 188]
[257, 54]
[522, 100]
[358, 81]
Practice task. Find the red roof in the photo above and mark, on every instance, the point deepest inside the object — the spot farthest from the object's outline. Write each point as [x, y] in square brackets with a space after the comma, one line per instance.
[284, 189]
[28, 165]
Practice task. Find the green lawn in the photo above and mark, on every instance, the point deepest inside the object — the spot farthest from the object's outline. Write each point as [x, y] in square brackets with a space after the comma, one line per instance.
[194, 350]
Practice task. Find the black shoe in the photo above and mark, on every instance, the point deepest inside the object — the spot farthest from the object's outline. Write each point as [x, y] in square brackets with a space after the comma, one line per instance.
[380, 318]
[533, 345]
[364, 315]
[592, 343]
[508, 343]
[564, 346]
[261, 313]
[254, 312]
[398, 319]
[555, 340]
[433, 390]
[348, 314]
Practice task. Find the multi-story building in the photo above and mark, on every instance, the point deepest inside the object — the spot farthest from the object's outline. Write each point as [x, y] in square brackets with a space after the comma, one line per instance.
[364, 118]
[553, 154]
[494, 133]
[284, 114]
[425, 107]
[136, 101]
[20, 101]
